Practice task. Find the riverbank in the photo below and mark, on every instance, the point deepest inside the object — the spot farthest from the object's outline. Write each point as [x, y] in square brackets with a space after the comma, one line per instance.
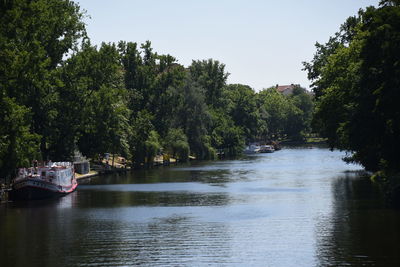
[87, 175]
[307, 141]
[100, 168]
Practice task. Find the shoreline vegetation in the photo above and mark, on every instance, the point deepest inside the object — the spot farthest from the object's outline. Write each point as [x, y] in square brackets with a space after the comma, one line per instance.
[356, 80]
[60, 94]
[123, 98]
[121, 165]
[105, 167]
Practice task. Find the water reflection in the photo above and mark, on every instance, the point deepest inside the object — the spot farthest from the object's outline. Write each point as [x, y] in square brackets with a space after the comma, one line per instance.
[295, 207]
[201, 172]
[105, 199]
[35, 233]
[172, 241]
[360, 231]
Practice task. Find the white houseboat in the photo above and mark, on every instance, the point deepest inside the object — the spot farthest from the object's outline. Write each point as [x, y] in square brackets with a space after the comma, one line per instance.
[53, 179]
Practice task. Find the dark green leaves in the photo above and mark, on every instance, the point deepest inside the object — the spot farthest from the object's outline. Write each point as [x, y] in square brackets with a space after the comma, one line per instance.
[358, 88]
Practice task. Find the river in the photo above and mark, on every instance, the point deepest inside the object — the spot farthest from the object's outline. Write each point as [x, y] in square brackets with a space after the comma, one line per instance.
[294, 207]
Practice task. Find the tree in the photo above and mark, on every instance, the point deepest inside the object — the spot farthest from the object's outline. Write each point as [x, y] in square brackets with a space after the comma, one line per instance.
[340, 39]
[177, 145]
[242, 108]
[149, 80]
[100, 123]
[18, 146]
[192, 116]
[275, 106]
[378, 92]
[225, 135]
[389, 3]
[300, 113]
[359, 84]
[152, 147]
[34, 38]
[169, 76]
[142, 132]
[210, 75]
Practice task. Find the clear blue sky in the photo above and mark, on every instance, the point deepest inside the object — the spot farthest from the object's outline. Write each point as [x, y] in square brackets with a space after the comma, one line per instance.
[261, 42]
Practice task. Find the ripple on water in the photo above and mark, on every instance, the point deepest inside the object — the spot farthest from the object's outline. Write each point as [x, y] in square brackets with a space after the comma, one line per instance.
[295, 207]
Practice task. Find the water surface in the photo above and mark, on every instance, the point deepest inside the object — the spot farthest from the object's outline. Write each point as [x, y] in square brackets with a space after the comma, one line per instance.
[295, 207]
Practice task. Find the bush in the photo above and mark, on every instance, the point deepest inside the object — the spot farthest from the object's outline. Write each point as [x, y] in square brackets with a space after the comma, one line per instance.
[177, 145]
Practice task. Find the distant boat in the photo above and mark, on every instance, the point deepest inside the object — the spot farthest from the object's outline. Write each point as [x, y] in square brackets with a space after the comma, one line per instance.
[267, 149]
[276, 145]
[251, 149]
[54, 179]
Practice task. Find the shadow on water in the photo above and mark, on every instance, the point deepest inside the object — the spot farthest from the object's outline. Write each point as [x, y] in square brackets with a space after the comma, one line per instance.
[203, 172]
[102, 199]
[360, 231]
[295, 207]
[36, 233]
[75, 231]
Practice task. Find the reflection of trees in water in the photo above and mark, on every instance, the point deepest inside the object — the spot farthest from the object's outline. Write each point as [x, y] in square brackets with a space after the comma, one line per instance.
[360, 231]
[202, 175]
[37, 233]
[147, 230]
[114, 199]
[203, 172]
[168, 241]
[97, 233]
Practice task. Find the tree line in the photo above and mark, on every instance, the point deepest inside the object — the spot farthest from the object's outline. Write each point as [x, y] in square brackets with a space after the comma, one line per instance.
[59, 93]
[356, 77]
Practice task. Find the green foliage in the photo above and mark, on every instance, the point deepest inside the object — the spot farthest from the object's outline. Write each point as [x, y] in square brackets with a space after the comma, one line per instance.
[316, 66]
[210, 75]
[142, 127]
[93, 78]
[358, 83]
[150, 81]
[300, 114]
[225, 135]
[209, 152]
[241, 106]
[389, 3]
[18, 146]
[192, 116]
[152, 146]
[59, 93]
[285, 116]
[177, 145]
[274, 106]
[34, 38]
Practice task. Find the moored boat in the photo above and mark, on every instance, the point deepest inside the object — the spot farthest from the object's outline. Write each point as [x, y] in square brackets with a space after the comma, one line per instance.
[251, 149]
[267, 149]
[53, 179]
